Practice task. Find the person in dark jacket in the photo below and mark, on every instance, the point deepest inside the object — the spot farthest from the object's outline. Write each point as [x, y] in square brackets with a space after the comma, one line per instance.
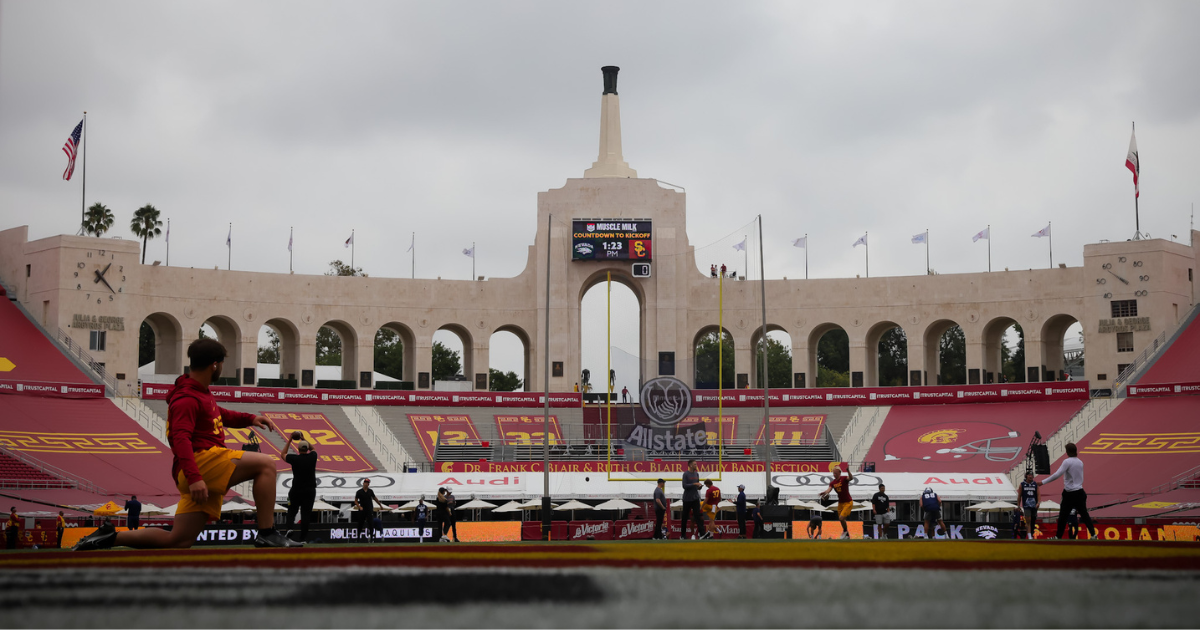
[740, 504]
[303, 492]
[133, 513]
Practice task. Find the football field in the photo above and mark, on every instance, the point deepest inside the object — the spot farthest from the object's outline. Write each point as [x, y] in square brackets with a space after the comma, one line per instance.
[618, 584]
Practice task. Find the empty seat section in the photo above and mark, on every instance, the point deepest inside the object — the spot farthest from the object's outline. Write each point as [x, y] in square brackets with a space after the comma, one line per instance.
[979, 438]
[1178, 364]
[34, 357]
[1143, 444]
[90, 440]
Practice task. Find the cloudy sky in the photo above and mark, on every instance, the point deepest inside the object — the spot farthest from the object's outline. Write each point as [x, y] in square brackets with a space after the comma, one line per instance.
[446, 120]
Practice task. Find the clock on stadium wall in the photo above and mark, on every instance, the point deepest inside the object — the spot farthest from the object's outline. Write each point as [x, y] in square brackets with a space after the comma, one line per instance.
[611, 239]
[100, 276]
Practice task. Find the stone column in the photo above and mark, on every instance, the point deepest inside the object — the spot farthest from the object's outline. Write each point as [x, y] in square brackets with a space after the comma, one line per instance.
[424, 362]
[975, 363]
[247, 357]
[1034, 357]
[307, 362]
[480, 360]
[364, 353]
[800, 364]
[916, 362]
[858, 362]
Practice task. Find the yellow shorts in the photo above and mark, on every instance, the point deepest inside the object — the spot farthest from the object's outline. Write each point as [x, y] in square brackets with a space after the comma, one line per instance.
[216, 466]
[709, 510]
[844, 509]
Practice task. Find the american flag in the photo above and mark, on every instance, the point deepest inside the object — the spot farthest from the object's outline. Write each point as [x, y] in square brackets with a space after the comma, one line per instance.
[71, 148]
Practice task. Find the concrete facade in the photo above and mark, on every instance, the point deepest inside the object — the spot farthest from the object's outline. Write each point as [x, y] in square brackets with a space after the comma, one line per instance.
[56, 279]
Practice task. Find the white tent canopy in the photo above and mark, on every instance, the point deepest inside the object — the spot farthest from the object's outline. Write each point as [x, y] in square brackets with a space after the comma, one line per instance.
[573, 505]
[511, 506]
[616, 504]
[476, 504]
[321, 506]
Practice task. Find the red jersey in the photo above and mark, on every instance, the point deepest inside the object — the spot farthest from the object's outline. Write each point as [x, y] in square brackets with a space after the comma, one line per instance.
[841, 485]
[712, 496]
[196, 423]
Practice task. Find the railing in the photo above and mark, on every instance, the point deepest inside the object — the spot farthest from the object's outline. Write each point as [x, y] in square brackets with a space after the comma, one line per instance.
[72, 347]
[859, 434]
[36, 484]
[383, 442]
[1186, 478]
[54, 471]
[144, 416]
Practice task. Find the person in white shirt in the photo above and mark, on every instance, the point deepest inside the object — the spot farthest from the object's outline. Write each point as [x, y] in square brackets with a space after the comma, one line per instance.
[1073, 497]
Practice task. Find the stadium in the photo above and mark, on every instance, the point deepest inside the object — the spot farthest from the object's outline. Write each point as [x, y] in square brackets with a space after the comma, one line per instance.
[84, 428]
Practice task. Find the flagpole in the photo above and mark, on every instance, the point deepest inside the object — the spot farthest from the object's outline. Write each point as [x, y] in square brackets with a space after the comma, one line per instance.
[1050, 233]
[413, 248]
[291, 232]
[927, 251]
[867, 249]
[766, 382]
[229, 247]
[989, 248]
[168, 242]
[546, 409]
[745, 257]
[806, 255]
[472, 260]
[1137, 217]
[352, 243]
[83, 194]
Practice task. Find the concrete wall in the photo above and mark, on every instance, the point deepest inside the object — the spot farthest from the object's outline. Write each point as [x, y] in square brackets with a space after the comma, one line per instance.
[677, 303]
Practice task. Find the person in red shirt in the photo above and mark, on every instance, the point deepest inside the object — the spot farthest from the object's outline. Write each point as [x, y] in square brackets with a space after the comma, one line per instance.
[712, 496]
[204, 469]
[841, 485]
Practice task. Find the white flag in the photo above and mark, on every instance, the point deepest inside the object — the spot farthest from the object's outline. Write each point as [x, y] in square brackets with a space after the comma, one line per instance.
[168, 239]
[741, 247]
[801, 242]
[1133, 163]
[1043, 232]
[986, 233]
[229, 239]
[350, 241]
[862, 240]
[289, 242]
[469, 253]
[923, 237]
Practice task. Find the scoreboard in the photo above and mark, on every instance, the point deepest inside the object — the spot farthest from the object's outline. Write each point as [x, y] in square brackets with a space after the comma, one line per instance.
[610, 240]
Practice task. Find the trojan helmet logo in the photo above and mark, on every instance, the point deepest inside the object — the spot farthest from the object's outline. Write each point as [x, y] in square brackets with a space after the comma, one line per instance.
[940, 436]
[447, 467]
[954, 441]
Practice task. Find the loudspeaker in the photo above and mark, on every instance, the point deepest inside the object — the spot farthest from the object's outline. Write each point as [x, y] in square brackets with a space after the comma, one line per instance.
[1041, 459]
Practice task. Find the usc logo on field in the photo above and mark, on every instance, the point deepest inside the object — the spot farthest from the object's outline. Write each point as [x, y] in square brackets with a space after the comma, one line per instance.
[940, 436]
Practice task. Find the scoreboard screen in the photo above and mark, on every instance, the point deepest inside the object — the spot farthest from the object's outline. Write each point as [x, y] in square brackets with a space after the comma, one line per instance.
[610, 240]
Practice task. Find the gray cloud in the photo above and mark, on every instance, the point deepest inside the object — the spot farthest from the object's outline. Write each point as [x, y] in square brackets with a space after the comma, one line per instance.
[446, 120]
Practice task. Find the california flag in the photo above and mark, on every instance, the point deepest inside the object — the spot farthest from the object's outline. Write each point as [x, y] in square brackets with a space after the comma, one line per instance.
[1132, 163]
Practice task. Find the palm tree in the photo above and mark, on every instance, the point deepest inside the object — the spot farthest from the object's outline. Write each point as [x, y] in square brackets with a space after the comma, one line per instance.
[145, 224]
[97, 220]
